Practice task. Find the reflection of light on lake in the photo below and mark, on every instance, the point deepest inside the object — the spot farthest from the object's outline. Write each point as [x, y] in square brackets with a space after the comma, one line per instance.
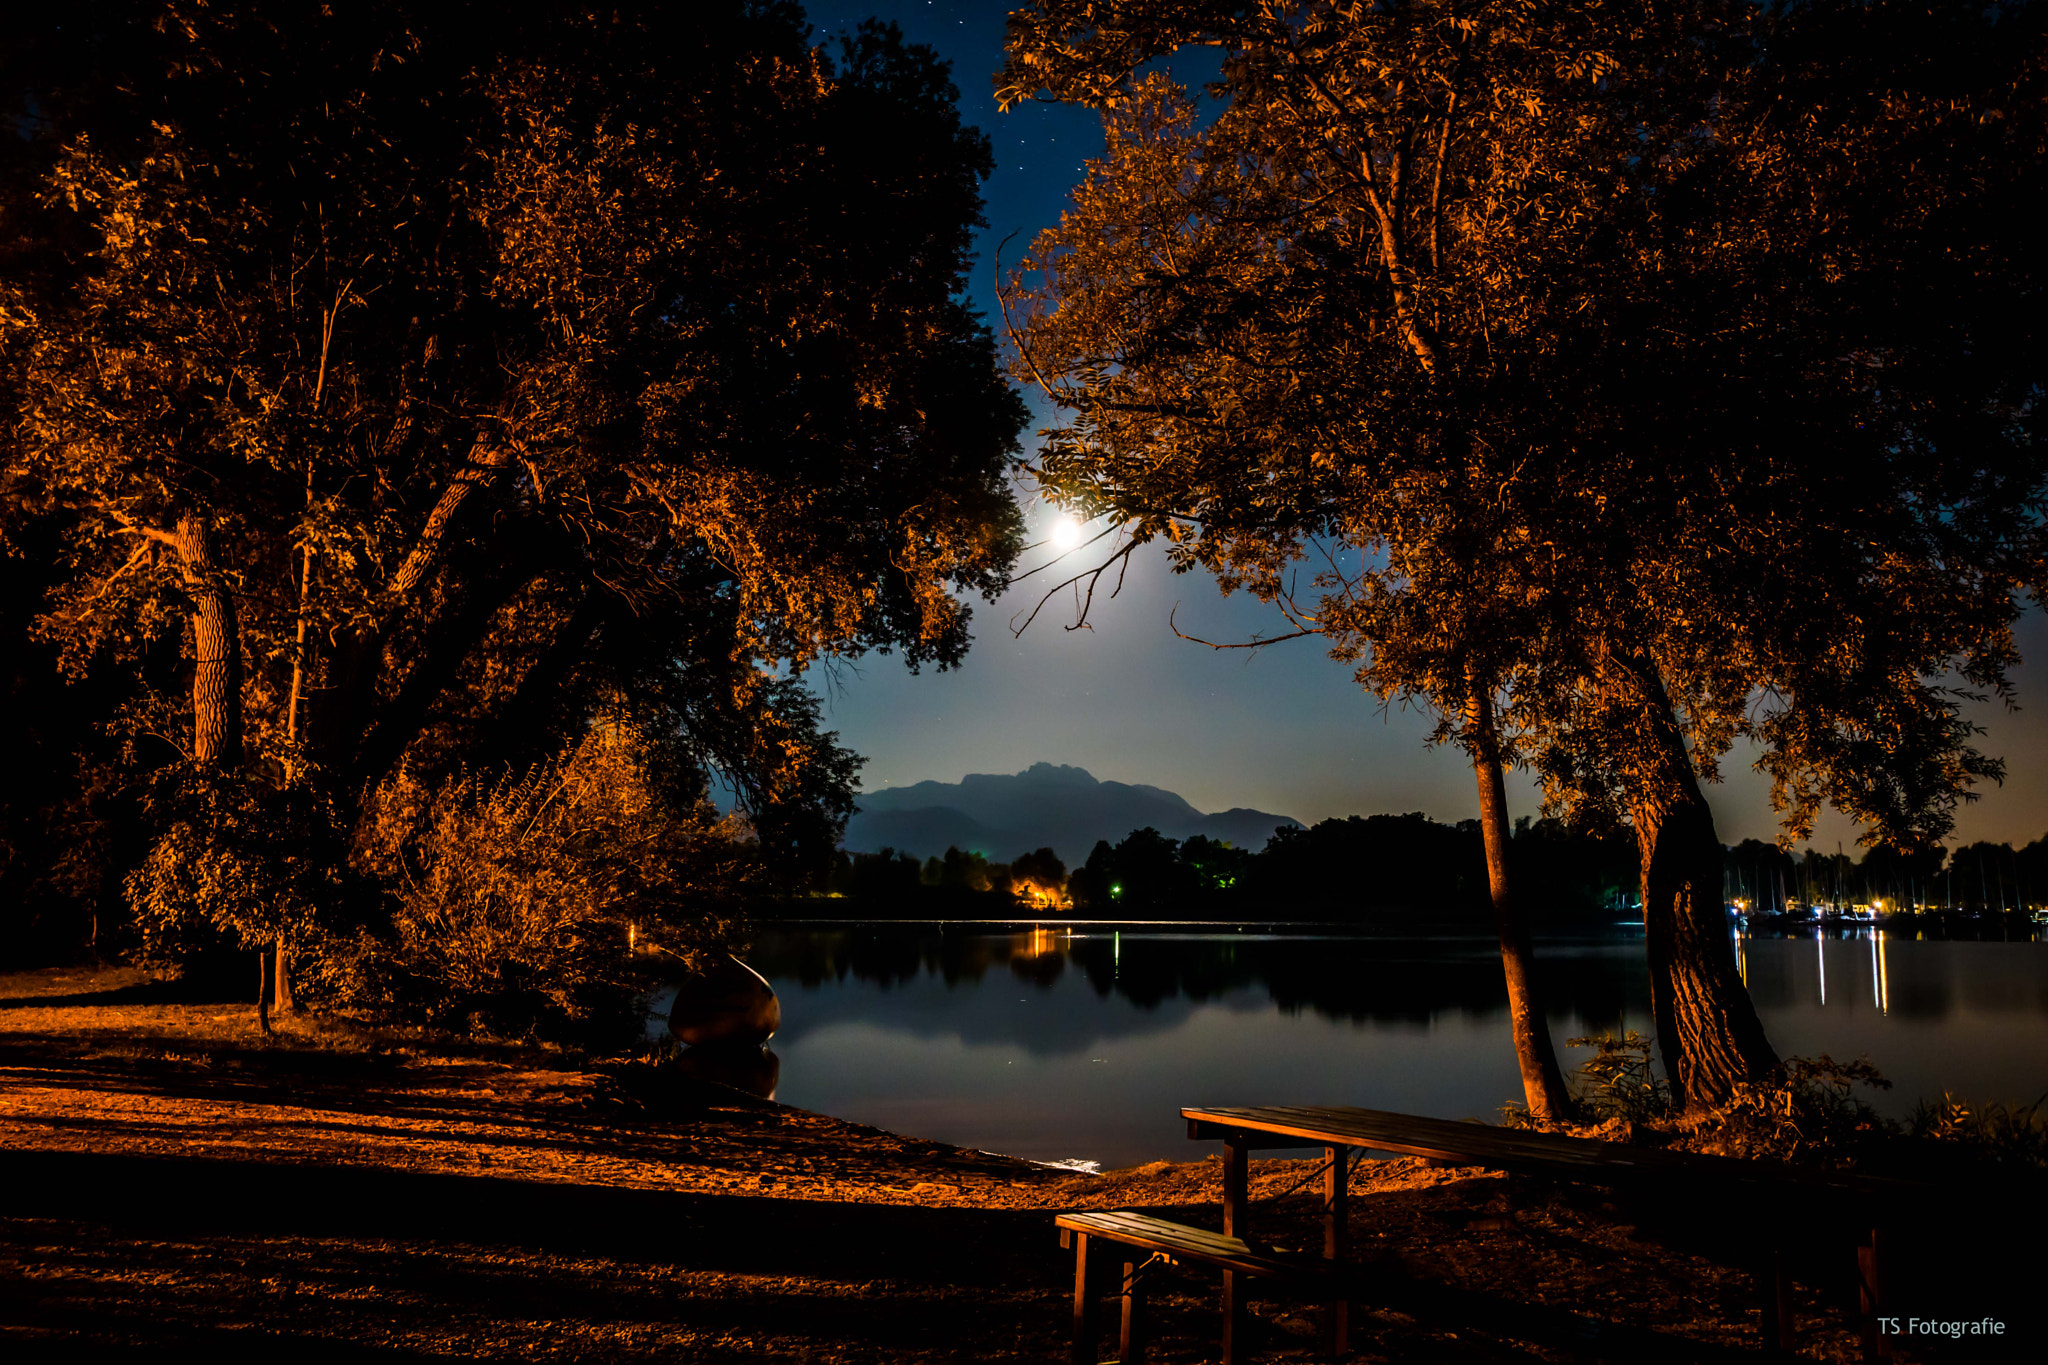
[1820, 952]
[1884, 981]
[1042, 941]
[925, 1033]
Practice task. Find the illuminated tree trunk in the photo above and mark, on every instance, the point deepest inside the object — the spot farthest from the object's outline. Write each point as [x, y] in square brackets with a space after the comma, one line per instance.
[1542, 1082]
[217, 647]
[217, 704]
[281, 1001]
[1707, 1028]
[273, 983]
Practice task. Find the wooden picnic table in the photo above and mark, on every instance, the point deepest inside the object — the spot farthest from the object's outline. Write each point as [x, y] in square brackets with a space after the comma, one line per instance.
[1770, 1193]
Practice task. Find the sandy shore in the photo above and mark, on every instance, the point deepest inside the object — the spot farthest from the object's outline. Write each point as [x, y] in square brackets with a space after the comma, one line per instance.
[173, 1180]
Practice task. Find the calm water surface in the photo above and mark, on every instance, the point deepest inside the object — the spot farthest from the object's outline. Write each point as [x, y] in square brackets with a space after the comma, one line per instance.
[1083, 1042]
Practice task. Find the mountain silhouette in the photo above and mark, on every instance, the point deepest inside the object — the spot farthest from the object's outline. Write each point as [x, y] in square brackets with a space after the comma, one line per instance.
[1048, 805]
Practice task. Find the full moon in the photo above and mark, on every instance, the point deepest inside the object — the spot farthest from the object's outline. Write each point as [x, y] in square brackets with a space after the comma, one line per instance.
[1066, 533]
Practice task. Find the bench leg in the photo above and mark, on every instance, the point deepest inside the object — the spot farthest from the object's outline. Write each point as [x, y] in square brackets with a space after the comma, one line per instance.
[1233, 1316]
[1236, 1191]
[1236, 1223]
[1336, 1230]
[1083, 1352]
[1774, 1301]
[1131, 1341]
[1870, 1296]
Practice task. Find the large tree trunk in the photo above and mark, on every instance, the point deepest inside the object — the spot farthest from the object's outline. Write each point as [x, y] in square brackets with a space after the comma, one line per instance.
[1543, 1086]
[281, 999]
[1707, 1028]
[217, 646]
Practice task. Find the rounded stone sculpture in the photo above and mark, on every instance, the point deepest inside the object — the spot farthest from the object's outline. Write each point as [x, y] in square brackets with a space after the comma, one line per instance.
[727, 1002]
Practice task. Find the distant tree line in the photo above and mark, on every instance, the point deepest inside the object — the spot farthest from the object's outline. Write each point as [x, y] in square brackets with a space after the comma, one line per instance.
[1343, 869]
[1980, 878]
[1410, 867]
[893, 884]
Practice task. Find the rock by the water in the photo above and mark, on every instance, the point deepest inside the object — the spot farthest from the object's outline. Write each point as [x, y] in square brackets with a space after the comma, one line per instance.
[727, 1002]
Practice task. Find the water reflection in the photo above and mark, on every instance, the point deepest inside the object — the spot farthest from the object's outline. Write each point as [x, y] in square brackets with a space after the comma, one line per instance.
[1082, 1041]
[748, 1067]
[1359, 979]
[1915, 977]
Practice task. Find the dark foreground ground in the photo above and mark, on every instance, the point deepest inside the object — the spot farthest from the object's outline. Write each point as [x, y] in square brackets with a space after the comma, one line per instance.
[173, 1185]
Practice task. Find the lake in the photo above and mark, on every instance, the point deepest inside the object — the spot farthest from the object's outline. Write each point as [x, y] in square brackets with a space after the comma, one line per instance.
[1080, 1042]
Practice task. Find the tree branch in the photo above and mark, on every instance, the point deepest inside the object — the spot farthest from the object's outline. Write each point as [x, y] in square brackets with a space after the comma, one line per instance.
[1243, 644]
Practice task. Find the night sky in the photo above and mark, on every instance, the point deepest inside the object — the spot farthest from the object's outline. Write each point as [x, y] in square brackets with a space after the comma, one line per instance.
[1284, 729]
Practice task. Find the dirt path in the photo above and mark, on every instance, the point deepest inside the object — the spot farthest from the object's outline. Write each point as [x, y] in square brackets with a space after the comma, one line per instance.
[169, 1179]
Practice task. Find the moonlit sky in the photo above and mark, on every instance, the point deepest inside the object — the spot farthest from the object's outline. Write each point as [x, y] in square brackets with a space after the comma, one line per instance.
[1283, 729]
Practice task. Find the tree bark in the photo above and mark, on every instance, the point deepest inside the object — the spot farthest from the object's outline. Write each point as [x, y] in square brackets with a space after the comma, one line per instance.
[1708, 1032]
[263, 990]
[1543, 1087]
[281, 1000]
[217, 647]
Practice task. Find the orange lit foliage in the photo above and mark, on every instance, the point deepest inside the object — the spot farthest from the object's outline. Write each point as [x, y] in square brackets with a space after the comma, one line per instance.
[439, 380]
[1036, 896]
[517, 897]
[1634, 363]
[1039, 879]
[233, 857]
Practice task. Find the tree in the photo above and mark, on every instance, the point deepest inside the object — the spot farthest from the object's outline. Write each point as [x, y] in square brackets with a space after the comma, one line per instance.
[963, 871]
[1405, 862]
[1520, 310]
[1212, 864]
[448, 378]
[1038, 876]
[1141, 876]
[1248, 297]
[1093, 885]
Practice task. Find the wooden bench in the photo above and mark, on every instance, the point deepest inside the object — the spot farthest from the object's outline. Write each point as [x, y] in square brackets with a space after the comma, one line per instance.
[1772, 1196]
[1174, 1243]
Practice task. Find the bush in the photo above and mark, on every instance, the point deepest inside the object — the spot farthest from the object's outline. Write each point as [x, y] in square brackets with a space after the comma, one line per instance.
[1811, 1115]
[542, 904]
[233, 861]
[1617, 1082]
[1999, 1135]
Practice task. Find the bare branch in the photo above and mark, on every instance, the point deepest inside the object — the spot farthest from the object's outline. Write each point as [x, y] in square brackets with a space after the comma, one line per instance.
[1093, 576]
[1243, 644]
[1010, 328]
[1105, 531]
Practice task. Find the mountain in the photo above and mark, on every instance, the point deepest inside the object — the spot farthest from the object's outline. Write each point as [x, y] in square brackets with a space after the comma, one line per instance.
[1050, 805]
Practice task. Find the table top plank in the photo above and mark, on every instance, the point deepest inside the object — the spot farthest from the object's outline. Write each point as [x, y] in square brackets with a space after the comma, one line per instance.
[1533, 1152]
[1178, 1240]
